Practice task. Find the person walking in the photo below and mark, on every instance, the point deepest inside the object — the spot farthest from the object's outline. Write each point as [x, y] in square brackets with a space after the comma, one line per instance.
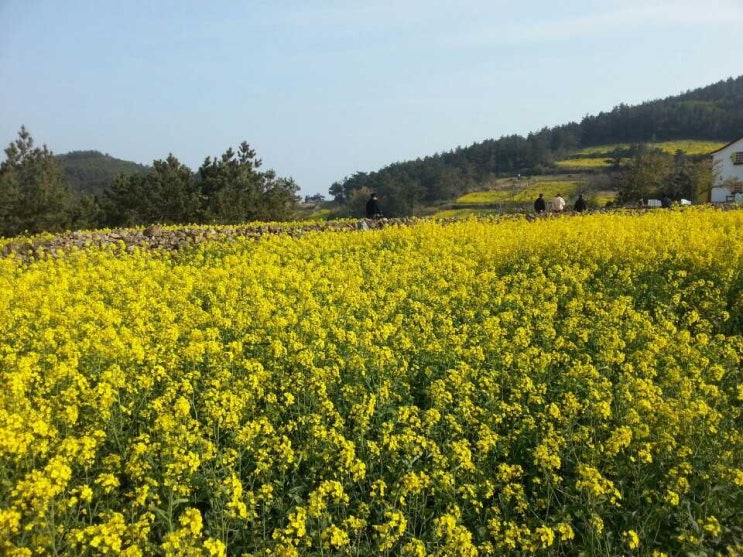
[372, 207]
[539, 205]
[580, 204]
[558, 204]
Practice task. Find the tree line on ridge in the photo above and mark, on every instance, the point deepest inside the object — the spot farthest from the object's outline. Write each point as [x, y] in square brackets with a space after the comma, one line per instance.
[714, 112]
[36, 194]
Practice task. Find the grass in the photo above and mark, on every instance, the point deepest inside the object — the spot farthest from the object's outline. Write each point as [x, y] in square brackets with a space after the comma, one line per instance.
[688, 146]
[321, 214]
[513, 196]
[584, 163]
[523, 194]
[599, 156]
[460, 213]
[483, 197]
[600, 198]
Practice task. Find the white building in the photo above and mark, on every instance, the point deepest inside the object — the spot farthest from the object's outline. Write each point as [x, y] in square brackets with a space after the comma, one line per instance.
[728, 163]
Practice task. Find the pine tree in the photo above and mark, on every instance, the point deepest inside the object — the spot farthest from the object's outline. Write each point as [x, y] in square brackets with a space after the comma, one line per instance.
[234, 190]
[33, 194]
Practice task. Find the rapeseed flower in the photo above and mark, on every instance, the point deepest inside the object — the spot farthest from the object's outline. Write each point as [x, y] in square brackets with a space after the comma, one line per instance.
[467, 388]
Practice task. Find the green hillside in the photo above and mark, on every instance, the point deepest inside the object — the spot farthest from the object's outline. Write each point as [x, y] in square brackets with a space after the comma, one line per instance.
[518, 194]
[694, 122]
[649, 151]
[691, 147]
[604, 156]
[91, 172]
[514, 195]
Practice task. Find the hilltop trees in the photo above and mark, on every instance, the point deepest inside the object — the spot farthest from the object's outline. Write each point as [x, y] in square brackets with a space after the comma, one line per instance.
[445, 176]
[712, 112]
[166, 194]
[93, 172]
[226, 190]
[33, 194]
[234, 190]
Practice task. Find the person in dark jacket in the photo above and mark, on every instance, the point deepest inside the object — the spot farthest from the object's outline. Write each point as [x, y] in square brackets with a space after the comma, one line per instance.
[372, 207]
[580, 204]
[539, 205]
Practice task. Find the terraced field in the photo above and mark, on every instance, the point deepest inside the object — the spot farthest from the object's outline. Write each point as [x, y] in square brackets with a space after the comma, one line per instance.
[519, 195]
[601, 156]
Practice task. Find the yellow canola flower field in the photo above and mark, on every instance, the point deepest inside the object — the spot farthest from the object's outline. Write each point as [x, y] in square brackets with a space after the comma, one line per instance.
[560, 387]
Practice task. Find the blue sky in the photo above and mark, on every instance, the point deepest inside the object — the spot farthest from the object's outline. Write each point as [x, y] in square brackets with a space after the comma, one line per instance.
[322, 89]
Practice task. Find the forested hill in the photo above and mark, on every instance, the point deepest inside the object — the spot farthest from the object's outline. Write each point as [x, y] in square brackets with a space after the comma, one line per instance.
[91, 172]
[714, 112]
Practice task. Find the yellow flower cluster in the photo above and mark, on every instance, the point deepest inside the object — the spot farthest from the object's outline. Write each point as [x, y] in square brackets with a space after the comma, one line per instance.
[473, 388]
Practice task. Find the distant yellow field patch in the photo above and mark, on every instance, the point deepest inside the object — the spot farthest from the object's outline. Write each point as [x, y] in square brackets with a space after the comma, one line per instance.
[320, 214]
[688, 146]
[584, 162]
[521, 192]
[600, 199]
[603, 149]
[549, 188]
[479, 197]
[460, 213]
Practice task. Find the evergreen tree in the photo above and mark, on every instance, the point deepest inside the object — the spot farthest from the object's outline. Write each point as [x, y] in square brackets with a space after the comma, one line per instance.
[234, 190]
[125, 203]
[33, 194]
[174, 192]
[166, 194]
